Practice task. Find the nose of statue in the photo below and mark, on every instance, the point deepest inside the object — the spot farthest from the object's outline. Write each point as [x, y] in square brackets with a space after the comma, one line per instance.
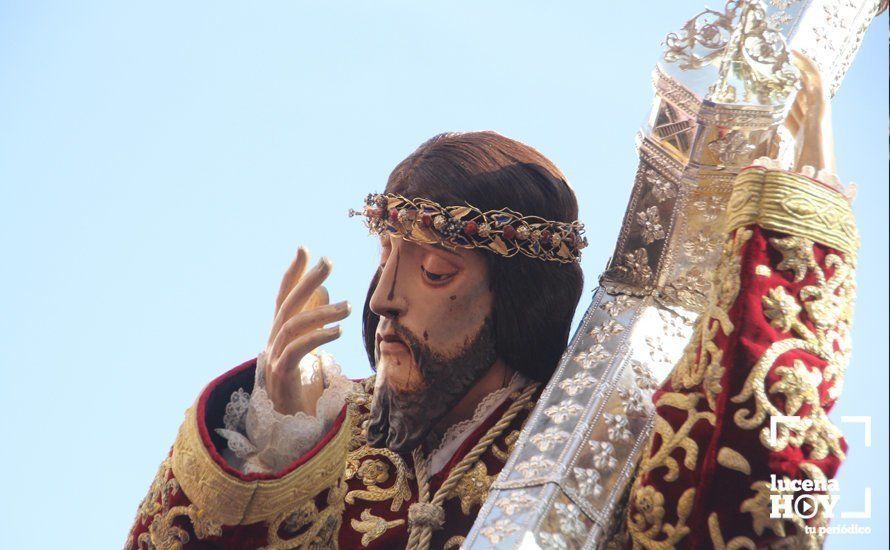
[387, 300]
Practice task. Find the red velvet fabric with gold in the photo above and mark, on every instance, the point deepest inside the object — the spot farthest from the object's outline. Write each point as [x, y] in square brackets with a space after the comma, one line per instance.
[773, 342]
[342, 492]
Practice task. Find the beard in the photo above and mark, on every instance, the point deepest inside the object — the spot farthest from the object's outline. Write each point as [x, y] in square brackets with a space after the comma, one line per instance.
[401, 420]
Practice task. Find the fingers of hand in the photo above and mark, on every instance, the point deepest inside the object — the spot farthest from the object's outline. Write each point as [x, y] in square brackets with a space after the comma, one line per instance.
[298, 297]
[794, 119]
[810, 76]
[293, 352]
[305, 321]
[319, 298]
[292, 275]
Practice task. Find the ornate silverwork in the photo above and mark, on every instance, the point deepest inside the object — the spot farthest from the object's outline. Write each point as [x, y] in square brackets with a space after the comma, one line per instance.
[563, 485]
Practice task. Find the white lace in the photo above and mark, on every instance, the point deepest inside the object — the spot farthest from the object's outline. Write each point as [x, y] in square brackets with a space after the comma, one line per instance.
[260, 439]
[457, 433]
[264, 440]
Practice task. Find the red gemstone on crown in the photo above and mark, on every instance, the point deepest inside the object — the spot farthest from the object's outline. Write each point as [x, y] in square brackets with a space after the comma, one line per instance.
[426, 220]
[470, 228]
[509, 232]
[545, 239]
[394, 215]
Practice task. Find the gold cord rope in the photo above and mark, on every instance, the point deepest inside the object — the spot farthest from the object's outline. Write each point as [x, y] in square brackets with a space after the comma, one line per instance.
[421, 535]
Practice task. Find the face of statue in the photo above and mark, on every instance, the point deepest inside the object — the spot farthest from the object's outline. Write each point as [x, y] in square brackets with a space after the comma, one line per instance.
[434, 339]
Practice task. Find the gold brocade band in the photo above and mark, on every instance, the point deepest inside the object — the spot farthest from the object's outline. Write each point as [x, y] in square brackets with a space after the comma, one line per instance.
[793, 204]
[231, 501]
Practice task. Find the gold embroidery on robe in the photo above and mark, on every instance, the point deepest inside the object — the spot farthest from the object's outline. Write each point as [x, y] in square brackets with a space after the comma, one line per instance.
[473, 487]
[372, 527]
[828, 305]
[162, 532]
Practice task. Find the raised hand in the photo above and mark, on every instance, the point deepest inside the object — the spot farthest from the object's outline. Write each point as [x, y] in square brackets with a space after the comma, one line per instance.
[809, 119]
[302, 310]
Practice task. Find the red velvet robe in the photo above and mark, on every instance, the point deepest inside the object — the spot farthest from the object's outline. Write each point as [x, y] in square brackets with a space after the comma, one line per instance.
[341, 492]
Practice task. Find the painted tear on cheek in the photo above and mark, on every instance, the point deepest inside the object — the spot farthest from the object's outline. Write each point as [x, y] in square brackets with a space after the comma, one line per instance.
[395, 277]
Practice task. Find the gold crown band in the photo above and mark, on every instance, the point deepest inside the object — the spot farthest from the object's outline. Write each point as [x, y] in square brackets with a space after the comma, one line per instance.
[503, 232]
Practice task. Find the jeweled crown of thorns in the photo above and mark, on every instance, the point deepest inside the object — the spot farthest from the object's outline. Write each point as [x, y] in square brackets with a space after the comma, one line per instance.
[503, 232]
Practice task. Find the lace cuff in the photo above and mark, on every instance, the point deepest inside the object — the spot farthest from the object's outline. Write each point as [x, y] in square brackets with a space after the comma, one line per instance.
[264, 440]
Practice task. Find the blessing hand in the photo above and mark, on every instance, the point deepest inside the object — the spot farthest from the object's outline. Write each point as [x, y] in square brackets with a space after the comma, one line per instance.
[809, 119]
[302, 310]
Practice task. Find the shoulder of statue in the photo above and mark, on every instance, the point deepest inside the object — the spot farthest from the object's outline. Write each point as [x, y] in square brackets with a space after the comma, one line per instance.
[233, 497]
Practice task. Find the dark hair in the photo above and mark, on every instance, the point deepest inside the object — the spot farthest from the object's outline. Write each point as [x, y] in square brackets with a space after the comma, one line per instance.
[534, 300]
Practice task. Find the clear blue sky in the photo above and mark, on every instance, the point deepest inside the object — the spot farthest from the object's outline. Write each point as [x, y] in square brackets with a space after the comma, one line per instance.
[160, 162]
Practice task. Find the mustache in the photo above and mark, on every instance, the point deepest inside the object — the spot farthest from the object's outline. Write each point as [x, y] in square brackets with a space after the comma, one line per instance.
[414, 343]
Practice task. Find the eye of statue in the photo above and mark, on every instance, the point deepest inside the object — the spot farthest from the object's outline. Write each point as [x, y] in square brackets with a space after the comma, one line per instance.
[436, 270]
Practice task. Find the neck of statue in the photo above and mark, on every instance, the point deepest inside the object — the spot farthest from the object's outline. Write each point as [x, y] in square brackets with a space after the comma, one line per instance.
[498, 376]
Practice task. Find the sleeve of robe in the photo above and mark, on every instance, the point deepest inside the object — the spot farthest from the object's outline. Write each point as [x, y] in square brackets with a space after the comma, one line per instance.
[773, 342]
[198, 500]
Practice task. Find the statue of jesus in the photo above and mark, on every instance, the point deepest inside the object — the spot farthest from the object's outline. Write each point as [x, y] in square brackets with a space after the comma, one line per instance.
[466, 316]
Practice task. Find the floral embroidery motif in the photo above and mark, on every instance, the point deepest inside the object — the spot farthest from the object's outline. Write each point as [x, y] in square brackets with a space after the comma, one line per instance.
[699, 247]
[592, 357]
[759, 506]
[650, 222]
[733, 148]
[643, 376]
[710, 207]
[588, 482]
[780, 308]
[372, 527]
[616, 427]
[633, 400]
[473, 487]
[797, 255]
[616, 306]
[601, 332]
[162, 532]
[570, 522]
[500, 530]
[635, 267]
[828, 306]
[378, 472]
[800, 386]
[549, 438]
[576, 384]
[562, 412]
[534, 466]
[373, 472]
[662, 188]
[515, 501]
[603, 456]
[650, 503]
[647, 522]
